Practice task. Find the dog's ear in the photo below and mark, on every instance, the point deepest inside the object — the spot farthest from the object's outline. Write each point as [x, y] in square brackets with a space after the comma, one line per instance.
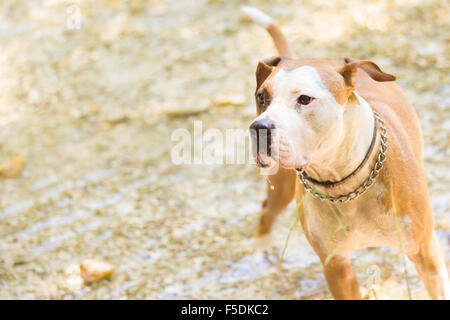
[265, 68]
[349, 68]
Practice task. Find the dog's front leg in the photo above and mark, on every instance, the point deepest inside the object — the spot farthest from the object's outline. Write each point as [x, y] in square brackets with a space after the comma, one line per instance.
[341, 279]
[432, 270]
[280, 192]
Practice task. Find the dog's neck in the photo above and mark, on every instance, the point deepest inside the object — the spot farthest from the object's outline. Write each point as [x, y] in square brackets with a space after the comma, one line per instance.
[343, 157]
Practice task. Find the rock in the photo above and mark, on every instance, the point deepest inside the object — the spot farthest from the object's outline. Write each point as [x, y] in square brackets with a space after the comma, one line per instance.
[186, 107]
[13, 167]
[184, 112]
[230, 99]
[94, 270]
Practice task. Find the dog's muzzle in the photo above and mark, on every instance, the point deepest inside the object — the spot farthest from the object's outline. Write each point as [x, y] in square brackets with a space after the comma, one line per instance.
[262, 133]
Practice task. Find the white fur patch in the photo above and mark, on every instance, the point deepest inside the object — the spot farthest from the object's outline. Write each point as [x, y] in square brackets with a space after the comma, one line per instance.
[302, 128]
[257, 15]
[305, 79]
[366, 109]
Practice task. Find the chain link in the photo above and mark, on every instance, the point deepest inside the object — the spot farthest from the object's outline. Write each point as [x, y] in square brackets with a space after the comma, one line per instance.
[366, 183]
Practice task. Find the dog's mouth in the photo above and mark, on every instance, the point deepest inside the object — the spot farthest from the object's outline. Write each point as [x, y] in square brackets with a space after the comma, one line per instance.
[264, 153]
[268, 161]
[300, 169]
[274, 150]
[264, 160]
[299, 164]
[260, 162]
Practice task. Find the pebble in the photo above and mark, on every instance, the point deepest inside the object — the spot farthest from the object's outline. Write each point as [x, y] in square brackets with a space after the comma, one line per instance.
[94, 270]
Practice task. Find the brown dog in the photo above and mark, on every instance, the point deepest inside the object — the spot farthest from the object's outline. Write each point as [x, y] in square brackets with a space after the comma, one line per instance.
[350, 134]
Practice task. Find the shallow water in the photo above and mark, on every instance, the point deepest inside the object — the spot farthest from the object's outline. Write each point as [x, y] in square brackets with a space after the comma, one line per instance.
[92, 111]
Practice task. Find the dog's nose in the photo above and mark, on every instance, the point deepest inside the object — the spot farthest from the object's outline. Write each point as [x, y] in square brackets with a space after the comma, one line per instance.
[261, 132]
[263, 124]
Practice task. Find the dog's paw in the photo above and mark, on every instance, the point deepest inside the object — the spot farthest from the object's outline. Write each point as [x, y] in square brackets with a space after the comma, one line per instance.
[262, 242]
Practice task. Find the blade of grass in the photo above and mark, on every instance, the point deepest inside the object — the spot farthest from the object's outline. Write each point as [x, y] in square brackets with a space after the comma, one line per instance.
[292, 227]
[405, 271]
[340, 223]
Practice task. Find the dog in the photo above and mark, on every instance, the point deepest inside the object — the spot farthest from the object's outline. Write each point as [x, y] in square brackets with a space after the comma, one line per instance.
[349, 146]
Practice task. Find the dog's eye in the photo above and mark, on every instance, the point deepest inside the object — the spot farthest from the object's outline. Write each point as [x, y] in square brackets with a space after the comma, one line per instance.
[260, 99]
[304, 100]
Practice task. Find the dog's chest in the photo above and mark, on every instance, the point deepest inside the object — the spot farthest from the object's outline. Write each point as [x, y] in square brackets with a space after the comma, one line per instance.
[364, 222]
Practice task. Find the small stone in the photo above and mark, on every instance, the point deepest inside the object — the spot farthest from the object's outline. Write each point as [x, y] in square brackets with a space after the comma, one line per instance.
[105, 125]
[230, 99]
[94, 270]
[184, 112]
[13, 167]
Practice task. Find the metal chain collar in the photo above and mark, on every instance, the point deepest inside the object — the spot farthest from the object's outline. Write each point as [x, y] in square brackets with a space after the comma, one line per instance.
[366, 183]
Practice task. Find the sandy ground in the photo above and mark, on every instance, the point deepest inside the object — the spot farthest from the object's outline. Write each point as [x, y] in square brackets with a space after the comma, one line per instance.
[92, 110]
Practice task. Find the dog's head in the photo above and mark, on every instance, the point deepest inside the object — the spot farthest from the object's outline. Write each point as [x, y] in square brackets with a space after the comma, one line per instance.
[300, 106]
